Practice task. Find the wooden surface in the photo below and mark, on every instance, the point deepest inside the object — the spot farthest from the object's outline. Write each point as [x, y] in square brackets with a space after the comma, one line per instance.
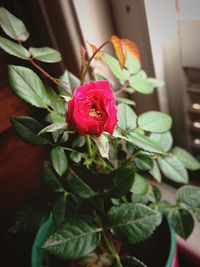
[20, 163]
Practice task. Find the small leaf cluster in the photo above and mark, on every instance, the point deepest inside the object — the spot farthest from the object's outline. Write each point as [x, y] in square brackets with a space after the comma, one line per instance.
[101, 194]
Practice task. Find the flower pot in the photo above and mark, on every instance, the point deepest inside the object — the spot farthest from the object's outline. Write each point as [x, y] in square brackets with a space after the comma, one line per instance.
[157, 251]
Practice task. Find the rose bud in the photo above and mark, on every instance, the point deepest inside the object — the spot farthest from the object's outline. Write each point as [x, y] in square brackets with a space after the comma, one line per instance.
[92, 110]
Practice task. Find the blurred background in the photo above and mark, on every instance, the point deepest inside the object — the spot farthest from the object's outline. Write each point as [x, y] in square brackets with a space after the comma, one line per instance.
[168, 36]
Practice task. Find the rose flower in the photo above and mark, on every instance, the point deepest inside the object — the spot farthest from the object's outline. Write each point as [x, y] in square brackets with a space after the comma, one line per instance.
[92, 110]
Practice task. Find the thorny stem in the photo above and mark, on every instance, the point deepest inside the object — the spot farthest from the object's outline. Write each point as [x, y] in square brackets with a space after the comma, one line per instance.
[84, 71]
[46, 74]
[108, 242]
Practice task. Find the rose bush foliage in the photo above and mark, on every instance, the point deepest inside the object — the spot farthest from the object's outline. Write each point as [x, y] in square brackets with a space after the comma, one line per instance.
[103, 157]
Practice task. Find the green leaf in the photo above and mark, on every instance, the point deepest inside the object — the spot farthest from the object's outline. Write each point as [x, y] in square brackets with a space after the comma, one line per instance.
[125, 101]
[141, 84]
[45, 54]
[156, 83]
[154, 121]
[186, 158]
[59, 160]
[74, 239]
[59, 210]
[132, 63]
[133, 222]
[114, 66]
[38, 254]
[182, 222]
[126, 117]
[173, 169]
[28, 86]
[75, 156]
[27, 129]
[189, 195]
[156, 193]
[144, 143]
[54, 117]
[12, 26]
[140, 199]
[57, 102]
[99, 77]
[14, 49]
[122, 182]
[51, 180]
[155, 172]
[102, 144]
[78, 141]
[139, 131]
[70, 81]
[118, 264]
[126, 74]
[130, 90]
[62, 138]
[54, 127]
[30, 217]
[131, 261]
[143, 162]
[65, 206]
[78, 186]
[197, 214]
[165, 140]
[140, 185]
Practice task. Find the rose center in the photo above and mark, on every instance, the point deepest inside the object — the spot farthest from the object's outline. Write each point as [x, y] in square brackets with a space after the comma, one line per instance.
[94, 112]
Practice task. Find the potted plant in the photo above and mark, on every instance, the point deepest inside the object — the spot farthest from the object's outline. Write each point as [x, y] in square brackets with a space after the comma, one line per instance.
[103, 209]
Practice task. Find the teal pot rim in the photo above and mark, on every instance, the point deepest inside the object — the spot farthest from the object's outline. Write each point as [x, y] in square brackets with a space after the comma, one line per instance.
[39, 258]
[172, 249]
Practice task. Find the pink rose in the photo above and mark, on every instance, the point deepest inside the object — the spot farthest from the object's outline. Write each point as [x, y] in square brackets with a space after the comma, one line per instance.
[92, 110]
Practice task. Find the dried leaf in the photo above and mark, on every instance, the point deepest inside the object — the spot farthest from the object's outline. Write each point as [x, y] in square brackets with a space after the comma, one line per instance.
[118, 49]
[131, 47]
[93, 47]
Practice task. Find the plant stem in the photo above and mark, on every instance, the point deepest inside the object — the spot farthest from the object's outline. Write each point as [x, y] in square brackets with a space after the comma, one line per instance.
[65, 148]
[108, 242]
[46, 74]
[84, 71]
[111, 247]
[122, 88]
[88, 142]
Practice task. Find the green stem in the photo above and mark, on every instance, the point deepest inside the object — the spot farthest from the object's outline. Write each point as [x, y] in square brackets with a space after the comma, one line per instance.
[48, 109]
[89, 147]
[65, 148]
[122, 88]
[124, 200]
[108, 242]
[111, 247]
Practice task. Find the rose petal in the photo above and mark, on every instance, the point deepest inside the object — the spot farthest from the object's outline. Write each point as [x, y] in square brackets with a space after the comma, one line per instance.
[92, 109]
